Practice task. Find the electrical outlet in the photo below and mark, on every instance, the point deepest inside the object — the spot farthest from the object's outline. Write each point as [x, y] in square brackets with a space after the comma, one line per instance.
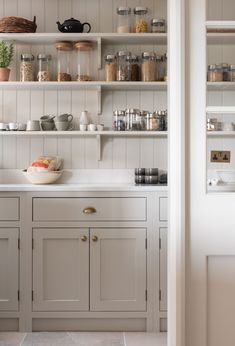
[220, 156]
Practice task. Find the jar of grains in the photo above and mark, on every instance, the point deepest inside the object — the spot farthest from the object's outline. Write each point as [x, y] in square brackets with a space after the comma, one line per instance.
[44, 67]
[84, 50]
[133, 68]
[123, 19]
[110, 68]
[119, 120]
[226, 77]
[64, 49]
[148, 67]
[27, 68]
[140, 19]
[122, 74]
[232, 73]
[215, 73]
[158, 25]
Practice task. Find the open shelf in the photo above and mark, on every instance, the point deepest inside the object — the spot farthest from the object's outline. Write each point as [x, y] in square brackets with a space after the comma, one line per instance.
[220, 133]
[220, 110]
[216, 86]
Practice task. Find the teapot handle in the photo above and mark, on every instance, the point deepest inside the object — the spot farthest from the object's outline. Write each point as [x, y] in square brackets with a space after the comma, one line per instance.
[89, 29]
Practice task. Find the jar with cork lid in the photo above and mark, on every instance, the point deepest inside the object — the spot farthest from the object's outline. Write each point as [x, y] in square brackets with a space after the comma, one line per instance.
[84, 50]
[64, 60]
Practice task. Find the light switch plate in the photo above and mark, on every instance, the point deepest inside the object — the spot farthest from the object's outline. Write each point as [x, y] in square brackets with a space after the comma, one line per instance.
[220, 156]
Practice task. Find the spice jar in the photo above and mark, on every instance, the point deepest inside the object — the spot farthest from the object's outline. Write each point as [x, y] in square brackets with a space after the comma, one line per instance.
[84, 49]
[225, 68]
[64, 49]
[44, 67]
[148, 67]
[215, 73]
[119, 120]
[232, 73]
[133, 68]
[140, 19]
[122, 66]
[123, 19]
[110, 68]
[158, 25]
[133, 119]
[26, 68]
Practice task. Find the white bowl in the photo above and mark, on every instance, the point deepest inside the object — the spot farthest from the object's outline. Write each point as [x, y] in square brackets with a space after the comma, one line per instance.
[227, 177]
[43, 177]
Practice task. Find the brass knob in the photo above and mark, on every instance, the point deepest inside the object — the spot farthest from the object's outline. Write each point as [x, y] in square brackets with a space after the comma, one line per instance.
[95, 238]
[84, 238]
[89, 210]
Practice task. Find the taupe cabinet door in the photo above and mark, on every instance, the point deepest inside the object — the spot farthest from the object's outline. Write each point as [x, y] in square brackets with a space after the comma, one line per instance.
[118, 269]
[61, 269]
[9, 263]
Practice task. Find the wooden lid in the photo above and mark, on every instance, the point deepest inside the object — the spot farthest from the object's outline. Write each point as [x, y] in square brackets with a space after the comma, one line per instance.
[64, 45]
[83, 45]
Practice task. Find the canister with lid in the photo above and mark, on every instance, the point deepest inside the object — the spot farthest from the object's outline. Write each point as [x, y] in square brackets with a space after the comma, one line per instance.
[119, 120]
[140, 19]
[133, 68]
[133, 119]
[148, 66]
[215, 73]
[27, 68]
[122, 74]
[44, 67]
[64, 60]
[226, 77]
[110, 68]
[123, 19]
[84, 50]
[158, 25]
[231, 73]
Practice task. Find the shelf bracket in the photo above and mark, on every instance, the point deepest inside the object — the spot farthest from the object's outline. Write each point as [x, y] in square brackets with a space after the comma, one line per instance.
[99, 97]
[99, 156]
[99, 47]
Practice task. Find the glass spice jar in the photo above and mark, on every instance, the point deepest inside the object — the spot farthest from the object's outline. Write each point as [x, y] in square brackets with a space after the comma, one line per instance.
[84, 49]
[133, 119]
[27, 68]
[158, 25]
[123, 19]
[140, 19]
[64, 51]
[110, 68]
[44, 67]
[148, 67]
[122, 65]
[215, 73]
[231, 73]
[119, 120]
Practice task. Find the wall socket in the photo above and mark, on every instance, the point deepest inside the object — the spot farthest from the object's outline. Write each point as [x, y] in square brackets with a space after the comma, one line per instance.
[220, 156]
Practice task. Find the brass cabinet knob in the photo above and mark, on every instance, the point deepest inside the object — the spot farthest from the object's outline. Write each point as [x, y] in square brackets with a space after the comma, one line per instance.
[94, 238]
[84, 238]
[89, 210]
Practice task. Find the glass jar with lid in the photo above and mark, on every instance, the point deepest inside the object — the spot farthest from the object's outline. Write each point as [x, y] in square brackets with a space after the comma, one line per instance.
[159, 68]
[84, 51]
[110, 68]
[119, 120]
[158, 25]
[164, 67]
[226, 77]
[140, 19]
[133, 68]
[64, 60]
[215, 73]
[231, 73]
[122, 73]
[44, 67]
[148, 66]
[123, 19]
[27, 68]
[133, 119]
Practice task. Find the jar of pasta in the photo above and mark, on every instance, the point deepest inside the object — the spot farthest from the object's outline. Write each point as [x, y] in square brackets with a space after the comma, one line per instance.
[140, 19]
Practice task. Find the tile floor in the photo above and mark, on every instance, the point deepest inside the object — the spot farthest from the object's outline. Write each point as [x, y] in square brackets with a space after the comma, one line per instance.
[83, 339]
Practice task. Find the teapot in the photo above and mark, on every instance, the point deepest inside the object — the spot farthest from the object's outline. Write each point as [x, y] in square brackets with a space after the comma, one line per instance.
[72, 25]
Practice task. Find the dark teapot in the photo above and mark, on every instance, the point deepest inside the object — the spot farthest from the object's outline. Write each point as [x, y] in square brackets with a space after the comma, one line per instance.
[72, 25]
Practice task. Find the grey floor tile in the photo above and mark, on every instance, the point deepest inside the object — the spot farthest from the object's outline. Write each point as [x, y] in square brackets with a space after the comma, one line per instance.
[98, 338]
[11, 338]
[48, 339]
[145, 339]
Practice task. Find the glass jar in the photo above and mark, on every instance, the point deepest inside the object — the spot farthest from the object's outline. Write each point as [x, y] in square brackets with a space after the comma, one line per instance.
[133, 119]
[64, 60]
[158, 25]
[148, 67]
[159, 69]
[215, 73]
[133, 68]
[119, 120]
[140, 19]
[122, 74]
[232, 73]
[164, 67]
[84, 49]
[123, 19]
[226, 77]
[211, 124]
[27, 68]
[44, 67]
[110, 68]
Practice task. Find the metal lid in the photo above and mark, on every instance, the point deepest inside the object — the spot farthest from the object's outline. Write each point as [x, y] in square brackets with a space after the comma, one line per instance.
[110, 57]
[123, 53]
[123, 10]
[119, 112]
[27, 57]
[132, 111]
[132, 58]
[158, 58]
[44, 57]
[218, 67]
[140, 10]
[158, 21]
[212, 120]
[232, 67]
[148, 55]
[211, 67]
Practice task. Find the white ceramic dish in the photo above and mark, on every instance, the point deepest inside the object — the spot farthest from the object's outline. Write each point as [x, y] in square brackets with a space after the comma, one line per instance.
[227, 177]
[42, 177]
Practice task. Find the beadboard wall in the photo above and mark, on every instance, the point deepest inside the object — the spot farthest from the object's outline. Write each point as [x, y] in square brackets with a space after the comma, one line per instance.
[79, 152]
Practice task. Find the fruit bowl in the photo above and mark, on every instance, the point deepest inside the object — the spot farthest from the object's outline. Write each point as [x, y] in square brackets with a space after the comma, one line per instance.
[42, 177]
[227, 177]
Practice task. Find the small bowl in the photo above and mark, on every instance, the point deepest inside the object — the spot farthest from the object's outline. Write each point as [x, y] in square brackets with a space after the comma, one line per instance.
[42, 177]
[227, 177]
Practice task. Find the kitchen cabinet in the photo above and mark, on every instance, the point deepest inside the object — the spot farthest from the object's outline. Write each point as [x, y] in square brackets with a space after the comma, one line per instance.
[9, 269]
[163, 268]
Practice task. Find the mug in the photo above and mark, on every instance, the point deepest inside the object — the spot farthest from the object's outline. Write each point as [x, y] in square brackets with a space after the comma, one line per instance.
[92, 127]
[21, 127]
[64, 117]
[33, 125]
[48, 118]
[63, 126]
[3, 127]
[13, 126]
[47, 125]
[83, 127]
[100, 127]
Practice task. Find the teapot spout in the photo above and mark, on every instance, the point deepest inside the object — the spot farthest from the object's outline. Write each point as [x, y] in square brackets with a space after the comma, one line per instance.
[59, 25]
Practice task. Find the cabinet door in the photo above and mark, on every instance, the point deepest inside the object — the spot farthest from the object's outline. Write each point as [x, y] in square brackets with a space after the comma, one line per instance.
[118, 269]
[163, 268]
[9, 266]
[61, 269]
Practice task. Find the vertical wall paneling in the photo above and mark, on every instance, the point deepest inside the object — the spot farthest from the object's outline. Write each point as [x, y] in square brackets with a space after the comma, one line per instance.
[64, 151]
[23, 152]
[24, 103]
[37, 102]
[78, 153]
[9, 105]
[133, 153]
[91, 153]
[119, 152]
[9, 152]
[50, 146]
[146, 152]
[36, 147]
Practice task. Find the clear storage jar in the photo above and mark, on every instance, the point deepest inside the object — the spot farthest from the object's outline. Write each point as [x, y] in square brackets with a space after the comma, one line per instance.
[123, 19]
[64, 61]
[159, 68]
[122, 73]
[84, 60]
[44, 67]
[140, 19]
[148, 67]
[215, 73]
[164, 67]
[27, 68]
[158, 25]
[226, 77]
[119, 120]
[133, 68]
[133, 119]
[110, 68]
[232, 73]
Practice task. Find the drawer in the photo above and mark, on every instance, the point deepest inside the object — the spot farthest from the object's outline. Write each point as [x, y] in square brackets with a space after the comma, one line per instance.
[163, 215]
[106, 209]
[9, 208]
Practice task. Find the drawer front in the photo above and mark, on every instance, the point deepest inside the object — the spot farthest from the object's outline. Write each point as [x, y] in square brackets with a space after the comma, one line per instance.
[90, 209]
[163, 215]
[9, 209]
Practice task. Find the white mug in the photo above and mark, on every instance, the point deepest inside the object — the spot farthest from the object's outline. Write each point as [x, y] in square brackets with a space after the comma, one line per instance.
[92, 127]
[3, 127]
[13, 126]
[100, 127]
[21, 127]
[83, 127]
